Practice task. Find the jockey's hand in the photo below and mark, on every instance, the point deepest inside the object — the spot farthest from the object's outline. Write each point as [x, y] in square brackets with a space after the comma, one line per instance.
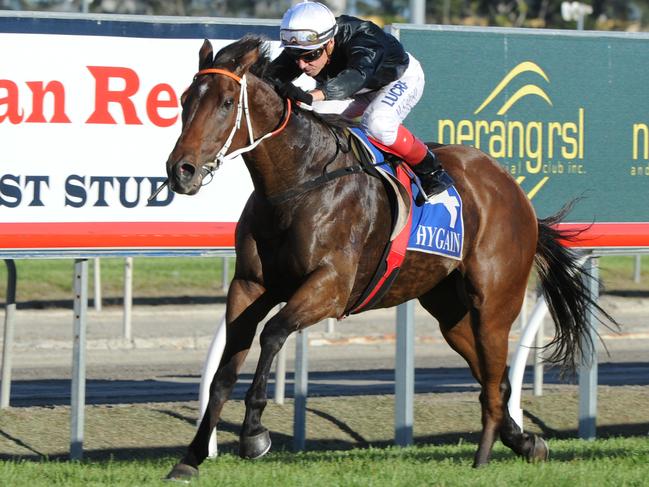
[289, 90]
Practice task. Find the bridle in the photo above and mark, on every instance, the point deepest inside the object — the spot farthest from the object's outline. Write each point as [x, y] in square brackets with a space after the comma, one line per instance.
[222, 156]
[242, 108]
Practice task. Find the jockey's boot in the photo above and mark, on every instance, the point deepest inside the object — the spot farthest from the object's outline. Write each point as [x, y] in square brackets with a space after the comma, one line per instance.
[434, 179]
[432, 176]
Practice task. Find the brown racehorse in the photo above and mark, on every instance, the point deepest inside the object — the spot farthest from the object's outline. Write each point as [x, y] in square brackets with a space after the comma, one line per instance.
[315, 243]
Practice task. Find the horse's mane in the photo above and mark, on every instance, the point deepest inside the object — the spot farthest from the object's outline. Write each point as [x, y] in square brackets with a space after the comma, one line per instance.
[233, 53]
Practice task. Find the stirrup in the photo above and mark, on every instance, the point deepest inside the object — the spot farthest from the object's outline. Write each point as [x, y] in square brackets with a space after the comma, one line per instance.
[435, 183]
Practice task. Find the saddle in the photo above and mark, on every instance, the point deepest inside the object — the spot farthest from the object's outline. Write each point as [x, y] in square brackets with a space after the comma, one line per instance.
[399, 193]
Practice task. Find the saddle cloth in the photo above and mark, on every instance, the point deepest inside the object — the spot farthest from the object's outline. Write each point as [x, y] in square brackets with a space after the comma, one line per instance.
[435, 227]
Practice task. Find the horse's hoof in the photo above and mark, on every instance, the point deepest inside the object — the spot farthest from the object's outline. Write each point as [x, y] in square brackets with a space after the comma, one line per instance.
[253, 447]
[182, 473]
[540, 451]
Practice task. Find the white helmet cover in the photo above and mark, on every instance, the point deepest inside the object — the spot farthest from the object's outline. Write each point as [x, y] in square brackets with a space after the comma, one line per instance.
[307, 25]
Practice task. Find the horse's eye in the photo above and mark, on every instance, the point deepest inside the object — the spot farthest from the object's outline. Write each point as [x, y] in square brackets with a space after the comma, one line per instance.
[227, 104]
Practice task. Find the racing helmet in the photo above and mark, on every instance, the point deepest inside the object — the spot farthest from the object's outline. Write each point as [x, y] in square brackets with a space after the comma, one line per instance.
[307, 26]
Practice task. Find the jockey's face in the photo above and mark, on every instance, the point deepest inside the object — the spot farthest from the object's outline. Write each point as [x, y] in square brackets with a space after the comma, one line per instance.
[311, 64]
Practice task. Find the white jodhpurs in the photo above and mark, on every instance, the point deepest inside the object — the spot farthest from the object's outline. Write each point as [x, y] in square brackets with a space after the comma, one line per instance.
[382, 111]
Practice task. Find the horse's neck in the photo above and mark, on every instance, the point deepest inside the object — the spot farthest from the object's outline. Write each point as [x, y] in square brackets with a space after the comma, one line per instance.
[296, 155]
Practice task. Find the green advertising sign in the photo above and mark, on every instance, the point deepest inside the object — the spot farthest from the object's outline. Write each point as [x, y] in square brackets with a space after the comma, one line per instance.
[566, 113]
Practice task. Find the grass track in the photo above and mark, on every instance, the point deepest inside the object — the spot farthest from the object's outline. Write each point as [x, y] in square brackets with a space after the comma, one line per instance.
[614, 462]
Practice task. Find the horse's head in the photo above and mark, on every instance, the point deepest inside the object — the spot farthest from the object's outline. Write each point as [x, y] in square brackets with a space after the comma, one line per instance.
[212, 113]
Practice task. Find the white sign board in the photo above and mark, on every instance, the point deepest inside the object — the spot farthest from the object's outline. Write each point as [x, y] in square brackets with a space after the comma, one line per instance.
[86, 125]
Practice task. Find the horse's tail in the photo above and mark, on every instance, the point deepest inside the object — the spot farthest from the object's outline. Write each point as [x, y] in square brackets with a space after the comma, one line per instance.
[566, 293]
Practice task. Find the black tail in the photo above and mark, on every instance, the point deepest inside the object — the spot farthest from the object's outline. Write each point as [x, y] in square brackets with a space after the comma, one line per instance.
[566, 293]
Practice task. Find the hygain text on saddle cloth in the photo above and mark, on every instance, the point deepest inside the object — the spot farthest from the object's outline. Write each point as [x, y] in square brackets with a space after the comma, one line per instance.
[438, 226]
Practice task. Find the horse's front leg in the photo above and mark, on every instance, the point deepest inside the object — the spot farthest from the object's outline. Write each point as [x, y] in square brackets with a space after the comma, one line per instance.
[321, 296]
[247, 305]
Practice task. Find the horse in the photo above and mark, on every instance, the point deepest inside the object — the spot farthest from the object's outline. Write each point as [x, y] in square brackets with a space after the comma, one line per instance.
[313, 241]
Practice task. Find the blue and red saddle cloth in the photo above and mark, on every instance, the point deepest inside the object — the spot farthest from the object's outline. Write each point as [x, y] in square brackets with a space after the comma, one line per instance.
[435, 226]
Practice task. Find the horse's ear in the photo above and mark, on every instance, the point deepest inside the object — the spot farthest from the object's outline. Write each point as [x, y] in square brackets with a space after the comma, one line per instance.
[205, 55]
[247, 60]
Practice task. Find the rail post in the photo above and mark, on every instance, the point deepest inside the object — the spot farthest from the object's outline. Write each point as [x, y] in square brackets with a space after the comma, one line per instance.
[7, 345]
[588, 367]
[78, 386]
[404, 383]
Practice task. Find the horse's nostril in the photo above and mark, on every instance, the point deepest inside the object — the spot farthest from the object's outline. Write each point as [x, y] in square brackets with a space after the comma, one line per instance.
[185, 171]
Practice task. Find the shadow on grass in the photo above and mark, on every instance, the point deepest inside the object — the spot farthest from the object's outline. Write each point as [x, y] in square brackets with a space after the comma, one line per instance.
[176, 415]
[21, 443]
[603, 431]
[463, 448]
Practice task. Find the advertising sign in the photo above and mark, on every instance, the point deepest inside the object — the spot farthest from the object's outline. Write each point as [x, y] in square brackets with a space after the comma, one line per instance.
[565, 113]
[86, 124]
[89, 111]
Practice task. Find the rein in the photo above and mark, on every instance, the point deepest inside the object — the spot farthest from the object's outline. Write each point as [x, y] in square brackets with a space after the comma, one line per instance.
[314, 183]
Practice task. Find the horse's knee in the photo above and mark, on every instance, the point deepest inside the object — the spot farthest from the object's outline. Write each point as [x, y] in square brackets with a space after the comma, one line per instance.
[225, 377]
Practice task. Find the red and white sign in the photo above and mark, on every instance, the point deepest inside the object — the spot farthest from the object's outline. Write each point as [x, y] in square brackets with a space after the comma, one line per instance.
[86, 125]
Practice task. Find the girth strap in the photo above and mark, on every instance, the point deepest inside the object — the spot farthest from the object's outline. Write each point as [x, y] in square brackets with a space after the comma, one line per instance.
[314, 183]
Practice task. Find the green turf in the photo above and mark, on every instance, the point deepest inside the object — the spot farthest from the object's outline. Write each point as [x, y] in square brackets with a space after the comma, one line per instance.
[614, 462]
[51, 280]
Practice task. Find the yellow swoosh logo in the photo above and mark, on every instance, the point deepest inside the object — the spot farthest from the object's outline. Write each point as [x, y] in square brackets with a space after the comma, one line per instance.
[524, 91]
[526, 66]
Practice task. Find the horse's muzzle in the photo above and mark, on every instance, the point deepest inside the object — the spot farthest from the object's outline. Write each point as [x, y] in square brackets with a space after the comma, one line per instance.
[185, 178]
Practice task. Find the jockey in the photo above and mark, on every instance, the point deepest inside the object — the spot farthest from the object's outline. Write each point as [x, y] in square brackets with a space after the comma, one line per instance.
[353, 58]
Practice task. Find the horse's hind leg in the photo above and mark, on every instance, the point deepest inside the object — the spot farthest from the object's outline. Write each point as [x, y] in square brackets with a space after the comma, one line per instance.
[247, 305]
[495, 308]
[460, 324]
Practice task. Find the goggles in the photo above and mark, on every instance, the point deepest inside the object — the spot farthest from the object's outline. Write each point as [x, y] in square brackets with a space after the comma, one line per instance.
[304, 38]
[306, 56]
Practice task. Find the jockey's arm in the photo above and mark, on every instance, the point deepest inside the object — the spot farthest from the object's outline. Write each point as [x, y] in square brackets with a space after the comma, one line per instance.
[363, 56]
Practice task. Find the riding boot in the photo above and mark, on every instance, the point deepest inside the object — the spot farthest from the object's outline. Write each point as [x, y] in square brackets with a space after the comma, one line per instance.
[423, 162]
[432, 176]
